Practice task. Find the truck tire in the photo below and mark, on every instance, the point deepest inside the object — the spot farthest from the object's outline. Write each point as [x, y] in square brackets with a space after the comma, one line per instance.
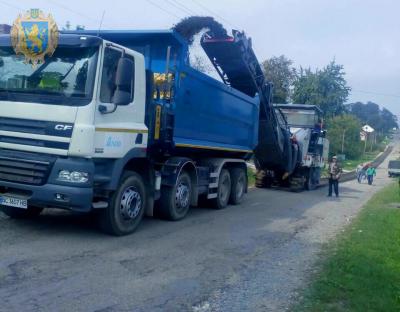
[175, 201]
[224, 190]
[125, 207]
[17, 213]
[239, 185]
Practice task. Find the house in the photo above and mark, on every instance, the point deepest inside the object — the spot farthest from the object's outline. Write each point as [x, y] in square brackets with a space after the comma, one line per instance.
[365, 132]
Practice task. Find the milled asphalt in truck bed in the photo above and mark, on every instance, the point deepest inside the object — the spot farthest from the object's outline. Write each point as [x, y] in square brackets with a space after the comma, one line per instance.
[252, 257]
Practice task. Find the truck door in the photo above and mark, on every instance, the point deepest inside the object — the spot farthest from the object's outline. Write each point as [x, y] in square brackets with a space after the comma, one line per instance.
[120, 128]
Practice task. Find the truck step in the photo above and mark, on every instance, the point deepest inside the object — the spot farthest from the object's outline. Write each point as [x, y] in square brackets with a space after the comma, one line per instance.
[100, 205]
[211, 196]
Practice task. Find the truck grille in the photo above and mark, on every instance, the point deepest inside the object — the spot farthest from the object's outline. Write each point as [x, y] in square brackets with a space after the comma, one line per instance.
[24, 168]
[36, 127]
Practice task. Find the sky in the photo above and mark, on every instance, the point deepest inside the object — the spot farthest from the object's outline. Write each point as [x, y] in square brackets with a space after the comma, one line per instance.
[362, 35]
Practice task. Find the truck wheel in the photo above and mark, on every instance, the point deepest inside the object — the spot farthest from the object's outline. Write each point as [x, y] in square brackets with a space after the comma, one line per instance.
[224, 190]
[17, 213]
[126, 206]
[239, 184]
[175, 201]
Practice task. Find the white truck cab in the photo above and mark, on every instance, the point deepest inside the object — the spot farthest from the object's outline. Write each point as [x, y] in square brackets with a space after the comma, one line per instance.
[61, 121]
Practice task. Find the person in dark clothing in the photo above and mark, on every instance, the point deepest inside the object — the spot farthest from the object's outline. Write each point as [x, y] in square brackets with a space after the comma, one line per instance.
[335, 171]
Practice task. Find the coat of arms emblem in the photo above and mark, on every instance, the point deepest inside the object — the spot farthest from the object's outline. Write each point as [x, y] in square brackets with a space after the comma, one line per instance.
[34, 35]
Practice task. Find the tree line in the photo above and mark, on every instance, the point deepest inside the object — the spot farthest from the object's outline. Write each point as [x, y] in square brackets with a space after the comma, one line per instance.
[328, 89]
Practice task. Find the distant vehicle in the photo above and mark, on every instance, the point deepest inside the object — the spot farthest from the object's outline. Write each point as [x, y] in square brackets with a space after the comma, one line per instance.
[394, 168]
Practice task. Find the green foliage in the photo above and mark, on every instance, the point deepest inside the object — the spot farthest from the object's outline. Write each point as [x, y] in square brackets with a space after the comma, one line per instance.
[326, 88]
[382, 120]
[349, 127]
[251, 177]
[361, 271]
[281, 73]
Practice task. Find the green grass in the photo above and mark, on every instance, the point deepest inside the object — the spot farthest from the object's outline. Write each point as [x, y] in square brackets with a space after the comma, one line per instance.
[361, 268]
[352, 164]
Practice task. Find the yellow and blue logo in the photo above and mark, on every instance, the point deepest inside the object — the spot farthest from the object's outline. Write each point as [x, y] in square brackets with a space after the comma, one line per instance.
[34, 35]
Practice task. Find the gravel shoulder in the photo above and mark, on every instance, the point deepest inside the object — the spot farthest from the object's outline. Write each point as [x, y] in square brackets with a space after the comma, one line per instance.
[251, 257]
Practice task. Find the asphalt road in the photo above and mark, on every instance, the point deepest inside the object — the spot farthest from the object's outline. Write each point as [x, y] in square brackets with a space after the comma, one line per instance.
[253, 257]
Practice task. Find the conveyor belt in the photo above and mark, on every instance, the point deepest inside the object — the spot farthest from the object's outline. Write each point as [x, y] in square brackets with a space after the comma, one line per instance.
[237, 65]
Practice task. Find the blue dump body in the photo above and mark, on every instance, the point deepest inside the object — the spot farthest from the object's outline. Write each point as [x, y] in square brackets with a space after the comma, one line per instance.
[208, 115]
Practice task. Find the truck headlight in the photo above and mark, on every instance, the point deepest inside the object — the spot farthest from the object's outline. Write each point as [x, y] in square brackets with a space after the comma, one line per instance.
[73, 176]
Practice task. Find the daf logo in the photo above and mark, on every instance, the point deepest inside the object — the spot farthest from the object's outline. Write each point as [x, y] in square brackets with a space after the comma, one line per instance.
[63, 127]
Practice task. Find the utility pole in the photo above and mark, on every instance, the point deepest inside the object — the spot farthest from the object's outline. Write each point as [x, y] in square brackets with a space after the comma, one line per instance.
[365, 142]
[373, 140]
[343, 136]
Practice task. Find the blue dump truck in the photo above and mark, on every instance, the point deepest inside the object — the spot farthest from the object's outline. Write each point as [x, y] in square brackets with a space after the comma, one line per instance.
[119, 123]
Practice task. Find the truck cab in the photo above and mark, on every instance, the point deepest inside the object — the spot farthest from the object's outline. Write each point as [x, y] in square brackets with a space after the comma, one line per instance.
[57, 130]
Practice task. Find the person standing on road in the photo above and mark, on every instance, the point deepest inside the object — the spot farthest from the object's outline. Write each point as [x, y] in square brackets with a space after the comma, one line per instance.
[335, 171]
[361, 170]
[358, 172]
[371, 172]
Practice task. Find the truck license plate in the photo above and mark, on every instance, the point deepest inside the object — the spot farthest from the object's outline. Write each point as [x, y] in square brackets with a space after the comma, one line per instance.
[13, 202]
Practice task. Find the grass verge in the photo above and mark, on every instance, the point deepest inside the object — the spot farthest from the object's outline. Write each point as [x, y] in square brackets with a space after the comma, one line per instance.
[352, 164]
[361, 269]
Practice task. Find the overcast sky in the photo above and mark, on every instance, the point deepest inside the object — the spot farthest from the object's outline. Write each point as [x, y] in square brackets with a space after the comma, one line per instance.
[363, 35]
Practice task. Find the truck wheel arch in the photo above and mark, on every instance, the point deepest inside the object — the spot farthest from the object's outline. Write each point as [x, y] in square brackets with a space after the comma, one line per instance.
[134, 158]
[172, 169]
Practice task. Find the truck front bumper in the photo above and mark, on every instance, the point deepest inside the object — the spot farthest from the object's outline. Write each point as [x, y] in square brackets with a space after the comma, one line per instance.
[54, 193]
[51, 195]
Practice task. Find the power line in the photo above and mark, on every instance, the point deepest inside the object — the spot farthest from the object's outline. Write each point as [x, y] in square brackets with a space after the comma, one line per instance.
[183, 7]
[178, 7]
[377, 93]
[212, 12]
[163, 9]
[73, 11]
[13, 6]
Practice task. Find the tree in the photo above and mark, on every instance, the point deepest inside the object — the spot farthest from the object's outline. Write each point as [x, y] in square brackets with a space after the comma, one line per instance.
[326, 88]
[390, 120]
[280, 72]
[370, 113]
[345, 129]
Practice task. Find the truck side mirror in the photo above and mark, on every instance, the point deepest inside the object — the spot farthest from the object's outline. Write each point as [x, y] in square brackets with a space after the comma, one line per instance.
[124, 82]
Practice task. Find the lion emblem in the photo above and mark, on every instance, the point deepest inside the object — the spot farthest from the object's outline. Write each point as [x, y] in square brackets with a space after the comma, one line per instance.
[34, 35]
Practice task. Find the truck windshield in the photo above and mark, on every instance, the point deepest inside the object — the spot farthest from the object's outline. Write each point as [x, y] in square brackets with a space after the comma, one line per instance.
[300, 118]
[66, 78]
